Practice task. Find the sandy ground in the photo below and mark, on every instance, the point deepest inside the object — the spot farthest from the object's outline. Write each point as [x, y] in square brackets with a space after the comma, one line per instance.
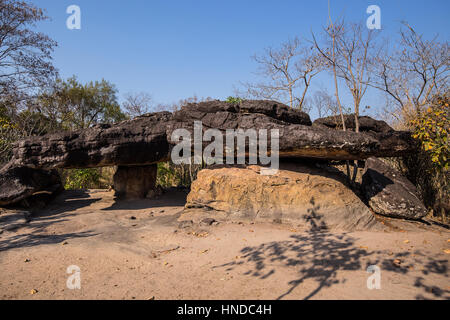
[137, 250]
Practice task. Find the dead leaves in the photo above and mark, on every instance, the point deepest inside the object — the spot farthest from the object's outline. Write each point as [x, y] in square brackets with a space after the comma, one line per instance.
[203, 234]
[397, 263]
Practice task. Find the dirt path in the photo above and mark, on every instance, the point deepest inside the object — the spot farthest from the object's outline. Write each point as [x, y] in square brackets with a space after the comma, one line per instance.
[136, 250]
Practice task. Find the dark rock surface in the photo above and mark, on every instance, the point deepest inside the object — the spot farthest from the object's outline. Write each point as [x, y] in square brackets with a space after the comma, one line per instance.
[20, 183]
[147, 139]
[389, 193]
[217, 113]
[391, 143]
[366, 124]
[140, 141]
[135, 182]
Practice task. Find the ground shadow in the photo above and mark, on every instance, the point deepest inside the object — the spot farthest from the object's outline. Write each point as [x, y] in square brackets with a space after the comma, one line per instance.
[320, 255]
[174, 197]
[58, 212]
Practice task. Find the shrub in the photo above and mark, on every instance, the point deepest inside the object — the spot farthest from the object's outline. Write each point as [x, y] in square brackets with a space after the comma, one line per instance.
[234, 100]
[171, 175]
[429, 168]
[76, 179]
[431, 130]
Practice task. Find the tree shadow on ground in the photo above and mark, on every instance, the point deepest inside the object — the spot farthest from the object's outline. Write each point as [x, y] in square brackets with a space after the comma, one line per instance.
[36, 233]
[320, 255]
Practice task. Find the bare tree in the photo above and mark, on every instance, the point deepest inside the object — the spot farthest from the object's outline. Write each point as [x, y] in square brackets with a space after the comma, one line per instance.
[325, 104]
[356, 53]
[137, 104]
[413, 73]
[285, 70]
[25, 55]
[329, 53]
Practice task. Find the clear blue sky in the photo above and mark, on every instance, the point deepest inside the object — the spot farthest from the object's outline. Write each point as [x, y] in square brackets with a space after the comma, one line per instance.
[175, 49]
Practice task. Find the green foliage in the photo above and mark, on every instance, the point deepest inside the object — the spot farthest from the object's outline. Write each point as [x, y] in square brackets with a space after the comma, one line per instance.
[431, 129]
[234, 100]
[77, 179]
[79, 106]
[171, 175]
[428, 169]
[166, 176]
[8, 134]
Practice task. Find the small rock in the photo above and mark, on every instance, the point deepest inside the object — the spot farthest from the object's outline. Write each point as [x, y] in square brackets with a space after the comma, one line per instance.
[208, 222]
[186, 224]
[132, 218]
[397, 263]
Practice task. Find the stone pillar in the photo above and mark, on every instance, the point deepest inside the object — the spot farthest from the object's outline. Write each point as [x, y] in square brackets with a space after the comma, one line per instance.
[135, 182]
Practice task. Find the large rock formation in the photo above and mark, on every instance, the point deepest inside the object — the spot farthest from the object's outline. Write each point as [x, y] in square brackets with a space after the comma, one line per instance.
[141, 141]
[389, 193]
[298, 193]
[147, 140]
[19, 183]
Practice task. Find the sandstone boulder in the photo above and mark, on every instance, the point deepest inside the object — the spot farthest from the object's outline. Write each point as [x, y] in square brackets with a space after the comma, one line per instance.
[389, 193]
[298, 193]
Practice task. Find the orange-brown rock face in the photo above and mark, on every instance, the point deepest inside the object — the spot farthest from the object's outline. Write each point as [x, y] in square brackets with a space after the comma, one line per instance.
[300, 194]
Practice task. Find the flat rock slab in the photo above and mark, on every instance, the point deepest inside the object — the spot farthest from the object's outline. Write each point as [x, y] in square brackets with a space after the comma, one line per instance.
[298, 194]
[148, 139]
[389, 193]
